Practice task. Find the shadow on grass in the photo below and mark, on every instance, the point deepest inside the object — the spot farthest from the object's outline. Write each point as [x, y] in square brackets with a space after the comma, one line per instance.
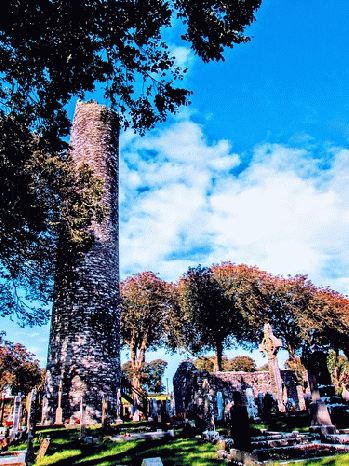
[173, 452]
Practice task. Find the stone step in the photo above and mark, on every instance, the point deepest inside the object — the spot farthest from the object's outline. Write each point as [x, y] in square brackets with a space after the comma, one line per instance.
[280, 442]
[300, 451]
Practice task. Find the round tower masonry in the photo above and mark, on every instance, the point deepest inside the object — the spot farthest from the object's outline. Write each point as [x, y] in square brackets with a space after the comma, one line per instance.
[84, 349]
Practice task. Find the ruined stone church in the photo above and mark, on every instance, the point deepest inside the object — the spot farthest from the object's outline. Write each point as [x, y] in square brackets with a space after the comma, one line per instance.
[84, 350]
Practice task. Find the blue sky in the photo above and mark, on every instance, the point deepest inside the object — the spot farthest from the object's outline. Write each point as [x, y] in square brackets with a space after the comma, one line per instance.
[256, 170]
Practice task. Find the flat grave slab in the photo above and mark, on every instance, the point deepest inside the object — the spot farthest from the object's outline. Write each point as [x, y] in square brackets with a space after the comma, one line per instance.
[156, 461]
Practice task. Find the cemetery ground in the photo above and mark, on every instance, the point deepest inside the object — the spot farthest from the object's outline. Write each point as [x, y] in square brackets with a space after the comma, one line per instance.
[184, 449]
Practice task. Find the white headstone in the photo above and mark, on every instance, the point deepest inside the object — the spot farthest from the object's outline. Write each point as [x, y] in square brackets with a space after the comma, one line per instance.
[220, 406]
[17, 411]
[173, 405]
[152, 461]
[251, 406]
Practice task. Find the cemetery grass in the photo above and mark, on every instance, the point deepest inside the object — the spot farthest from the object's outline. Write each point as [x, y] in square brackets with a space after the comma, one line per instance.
[66, 449]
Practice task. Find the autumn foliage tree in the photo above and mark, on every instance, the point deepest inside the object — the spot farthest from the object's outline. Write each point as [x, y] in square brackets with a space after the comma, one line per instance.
[220, 306]
[204, 313]
[241, 363]
[238, 363]
[19, 370]
[288, 300]
[144, 318]
[244, 287]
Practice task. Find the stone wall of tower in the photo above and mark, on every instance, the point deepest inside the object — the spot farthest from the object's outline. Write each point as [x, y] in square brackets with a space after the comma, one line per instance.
[84, 349]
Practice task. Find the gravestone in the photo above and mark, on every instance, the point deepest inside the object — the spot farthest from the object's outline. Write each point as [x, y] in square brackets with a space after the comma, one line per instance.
[345, 393]
[251, 406]
[220, 406]
[270, 346]
[238, 424]
[153, 407]
[82, 419]
[31, 411]
[59, 411]
[118, 406]
[31, 427]
[315, 360]
[135, 410]
[260, 403]
[152, 461]
[104, 412]
[301, 400]
[168, 407]
[17, 412]
[173, 405]
[43, 448]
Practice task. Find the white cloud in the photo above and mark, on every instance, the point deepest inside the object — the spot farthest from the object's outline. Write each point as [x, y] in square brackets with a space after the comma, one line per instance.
[183, 56]
[183, 204]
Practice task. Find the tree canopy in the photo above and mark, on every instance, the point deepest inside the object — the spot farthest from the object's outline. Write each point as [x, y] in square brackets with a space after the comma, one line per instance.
[53, 51]
[238, 363]
[144, 318]
[42, 197]
[151, 377]
[229, 303]
[207, 322]
[19, 370]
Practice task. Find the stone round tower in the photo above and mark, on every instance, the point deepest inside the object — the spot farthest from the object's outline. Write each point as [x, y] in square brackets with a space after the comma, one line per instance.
[84, 349]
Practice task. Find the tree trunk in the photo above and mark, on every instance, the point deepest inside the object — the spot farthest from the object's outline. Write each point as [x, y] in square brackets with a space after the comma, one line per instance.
[336, 371]
[138, 363]
[218, 359]
[291, 351]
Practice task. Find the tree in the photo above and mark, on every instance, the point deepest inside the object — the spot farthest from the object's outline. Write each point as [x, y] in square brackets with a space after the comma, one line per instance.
[338, 366]
[206, 363]
[289, 300]
[42, 199]
[18, 369]
[144, 310]
[151, 377]
[53, 51]
[206, 321]
[241, 363]
[221, 306]
[244, 287]
[154, 372]
[327, 317]
[295, 364]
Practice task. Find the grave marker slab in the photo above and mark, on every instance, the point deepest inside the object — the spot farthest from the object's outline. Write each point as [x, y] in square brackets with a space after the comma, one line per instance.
[17, 410]
[156, 461]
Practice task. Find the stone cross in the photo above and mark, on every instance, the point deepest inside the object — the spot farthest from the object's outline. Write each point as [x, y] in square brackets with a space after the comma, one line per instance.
[270, 346]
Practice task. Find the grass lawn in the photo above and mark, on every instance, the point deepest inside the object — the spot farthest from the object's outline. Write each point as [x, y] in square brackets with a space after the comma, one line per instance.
[66, 449]
[338, 460]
